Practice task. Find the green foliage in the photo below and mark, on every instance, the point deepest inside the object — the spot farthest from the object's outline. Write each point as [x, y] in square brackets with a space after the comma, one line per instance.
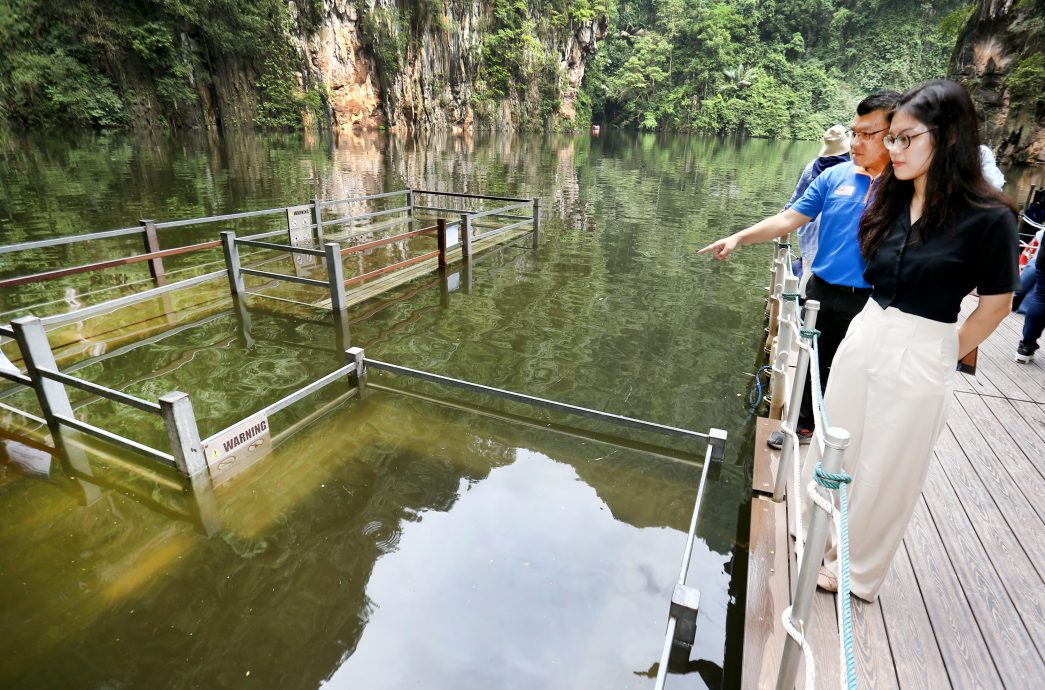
[1026, 80]
[786, 68]
[88, 62]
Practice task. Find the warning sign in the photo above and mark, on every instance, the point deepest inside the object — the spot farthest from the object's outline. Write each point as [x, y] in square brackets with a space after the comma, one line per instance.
[240, 445]
[299, 224]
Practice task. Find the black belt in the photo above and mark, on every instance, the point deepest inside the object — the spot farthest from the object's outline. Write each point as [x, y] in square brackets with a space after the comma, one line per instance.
[831, 287]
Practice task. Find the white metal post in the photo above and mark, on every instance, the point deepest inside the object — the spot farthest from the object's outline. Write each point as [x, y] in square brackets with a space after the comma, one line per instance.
[36, 352]
[356, 355]
[335, 276]
[788, 453]
[836, 440]
[228, 245]
[184, 436]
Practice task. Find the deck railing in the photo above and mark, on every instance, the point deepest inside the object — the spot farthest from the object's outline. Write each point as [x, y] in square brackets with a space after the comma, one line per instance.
[793, 338]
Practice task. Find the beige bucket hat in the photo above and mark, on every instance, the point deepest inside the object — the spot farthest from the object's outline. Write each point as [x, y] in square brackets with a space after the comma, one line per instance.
[836, 142]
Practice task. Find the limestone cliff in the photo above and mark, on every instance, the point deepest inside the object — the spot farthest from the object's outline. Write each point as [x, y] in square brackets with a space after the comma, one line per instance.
[386, 65]
[1000, 56]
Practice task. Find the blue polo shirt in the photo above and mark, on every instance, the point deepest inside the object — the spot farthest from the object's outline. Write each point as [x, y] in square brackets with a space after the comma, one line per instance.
[838, 196]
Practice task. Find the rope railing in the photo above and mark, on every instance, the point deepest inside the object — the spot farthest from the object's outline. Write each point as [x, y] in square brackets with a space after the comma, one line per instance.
[795, 333]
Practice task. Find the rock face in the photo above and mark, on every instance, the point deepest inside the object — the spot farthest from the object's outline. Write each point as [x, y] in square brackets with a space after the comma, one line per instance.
[380, 68]
[995, 57]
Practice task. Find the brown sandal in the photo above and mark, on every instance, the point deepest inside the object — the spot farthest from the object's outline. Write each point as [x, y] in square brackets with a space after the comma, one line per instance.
[826, 580]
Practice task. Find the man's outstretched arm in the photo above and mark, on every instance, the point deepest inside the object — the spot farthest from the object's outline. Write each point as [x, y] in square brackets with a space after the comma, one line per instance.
[779, 225]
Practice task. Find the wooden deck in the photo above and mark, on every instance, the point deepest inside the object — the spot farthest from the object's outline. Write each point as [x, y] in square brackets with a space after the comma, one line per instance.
[964, 604]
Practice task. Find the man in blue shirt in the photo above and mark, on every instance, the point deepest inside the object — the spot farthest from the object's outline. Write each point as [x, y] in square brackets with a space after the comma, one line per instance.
[839, 195]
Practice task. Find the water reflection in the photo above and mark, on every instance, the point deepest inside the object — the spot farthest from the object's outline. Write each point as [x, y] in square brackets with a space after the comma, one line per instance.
[611, 309]
[525, 571]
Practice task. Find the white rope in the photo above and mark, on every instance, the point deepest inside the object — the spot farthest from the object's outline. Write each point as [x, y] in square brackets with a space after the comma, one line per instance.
[807, 649]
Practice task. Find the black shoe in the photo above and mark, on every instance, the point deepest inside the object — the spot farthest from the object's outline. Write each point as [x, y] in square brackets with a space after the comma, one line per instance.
[1024, 354]
[776, 439]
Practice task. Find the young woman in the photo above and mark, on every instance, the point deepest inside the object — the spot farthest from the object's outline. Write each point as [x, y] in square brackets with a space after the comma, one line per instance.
[935, 231]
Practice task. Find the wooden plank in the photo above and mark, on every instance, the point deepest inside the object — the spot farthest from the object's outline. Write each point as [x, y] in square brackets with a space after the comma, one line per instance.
[1004, 633]
[1017, 574]
[919, 665]
[767, 594]
[763, 477]
[1020, 426]
[1028, 382]
[1003, 468]
[965, 655]
[875, 663]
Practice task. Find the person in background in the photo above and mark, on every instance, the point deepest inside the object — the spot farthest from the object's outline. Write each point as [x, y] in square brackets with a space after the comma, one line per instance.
[834, 151]
[838, 196]
[1028, 274]
[1034, 310]
[991, 172]
[936, 230]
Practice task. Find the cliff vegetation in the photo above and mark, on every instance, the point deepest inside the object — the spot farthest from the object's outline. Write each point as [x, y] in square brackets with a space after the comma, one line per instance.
[777, 68]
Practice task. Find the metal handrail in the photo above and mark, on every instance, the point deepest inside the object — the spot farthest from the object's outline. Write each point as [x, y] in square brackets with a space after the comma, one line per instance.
[539, 402]
[101, 391]
[382, 195]
[364, 216]
[71, 239]
[71, 422]
[215, 219]
[280, 247]
[282, 276]
[469, 196]
[501, 210]
[390, 268]
[503, 228]
[110, 263]
[386, 240]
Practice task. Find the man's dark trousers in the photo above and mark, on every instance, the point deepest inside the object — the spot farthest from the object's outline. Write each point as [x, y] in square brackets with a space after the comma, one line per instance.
[838, 306]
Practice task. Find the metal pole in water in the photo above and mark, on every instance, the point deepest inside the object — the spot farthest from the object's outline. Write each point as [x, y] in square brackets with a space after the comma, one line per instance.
[36, 353]
[782, 346]
[466, 237]
[317, 220]
[440, 224]
[335, 276]
[536, 221]
[180, 420]
[228, 245]
[356, 355]
[836, 440]
[788, 451]
[152, 244]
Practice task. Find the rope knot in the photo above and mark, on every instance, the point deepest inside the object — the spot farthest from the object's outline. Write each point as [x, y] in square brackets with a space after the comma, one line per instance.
[790, 295]
[829, 480]
[809, 333]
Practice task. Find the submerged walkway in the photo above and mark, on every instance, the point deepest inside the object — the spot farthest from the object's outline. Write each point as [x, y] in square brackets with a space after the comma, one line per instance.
[964, 603]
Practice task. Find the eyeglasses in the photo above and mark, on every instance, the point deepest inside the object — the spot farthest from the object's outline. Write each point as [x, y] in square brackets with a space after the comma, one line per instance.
[902, 142]
[864, 136]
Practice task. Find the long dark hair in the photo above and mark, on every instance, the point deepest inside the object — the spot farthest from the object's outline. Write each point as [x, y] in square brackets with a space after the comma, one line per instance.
[955, 176]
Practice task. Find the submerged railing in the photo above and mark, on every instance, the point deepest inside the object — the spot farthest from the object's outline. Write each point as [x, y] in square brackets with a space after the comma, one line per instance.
[306, 230]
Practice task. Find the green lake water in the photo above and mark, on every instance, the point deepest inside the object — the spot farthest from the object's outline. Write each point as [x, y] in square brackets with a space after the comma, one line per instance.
[421, 537]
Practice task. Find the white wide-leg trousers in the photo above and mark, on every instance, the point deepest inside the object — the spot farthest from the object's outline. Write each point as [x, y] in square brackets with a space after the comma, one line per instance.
[890, 386]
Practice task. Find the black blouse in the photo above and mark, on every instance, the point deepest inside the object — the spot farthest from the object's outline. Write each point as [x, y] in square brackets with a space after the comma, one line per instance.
[930, 277]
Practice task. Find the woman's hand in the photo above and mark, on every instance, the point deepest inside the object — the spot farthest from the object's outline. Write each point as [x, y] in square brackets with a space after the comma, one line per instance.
[721, 249]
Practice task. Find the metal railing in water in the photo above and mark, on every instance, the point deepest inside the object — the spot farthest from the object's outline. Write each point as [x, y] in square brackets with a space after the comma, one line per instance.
[793, 334]
[306, 226]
